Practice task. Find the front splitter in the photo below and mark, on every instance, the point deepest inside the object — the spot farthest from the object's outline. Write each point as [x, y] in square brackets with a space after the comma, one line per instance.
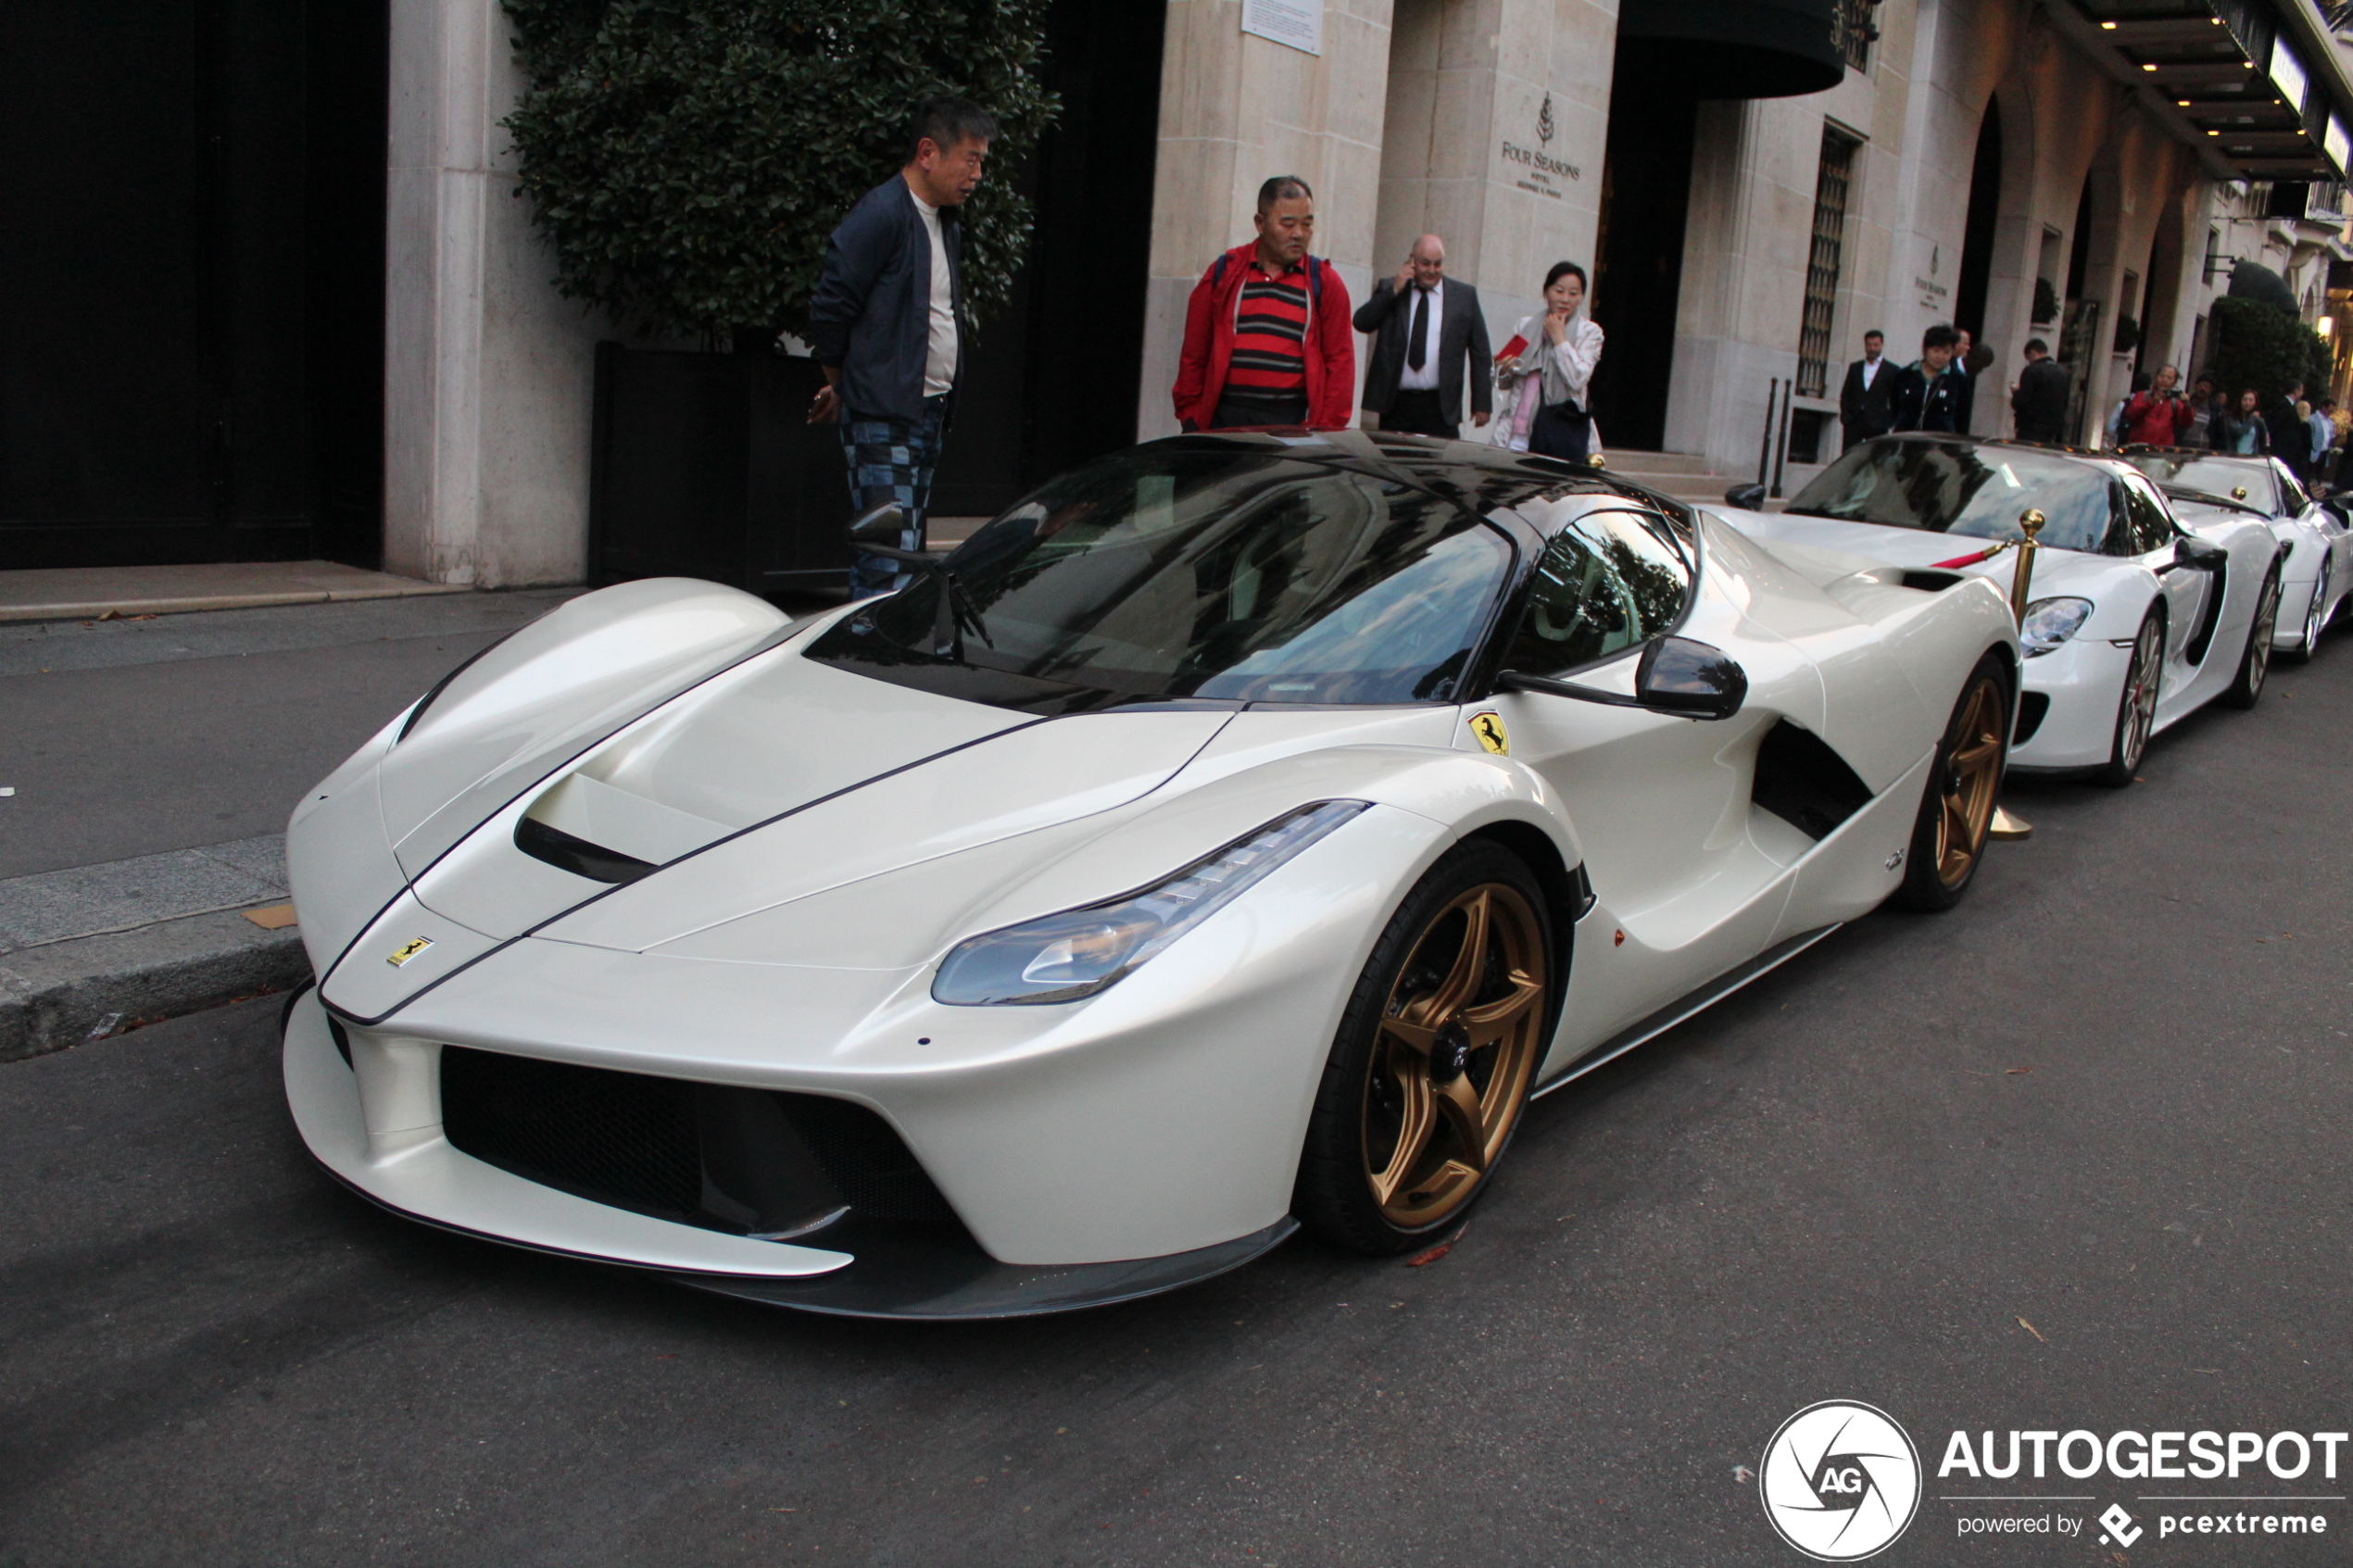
[905, 1278]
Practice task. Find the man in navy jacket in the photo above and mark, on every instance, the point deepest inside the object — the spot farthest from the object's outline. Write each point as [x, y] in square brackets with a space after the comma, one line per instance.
[886, 323]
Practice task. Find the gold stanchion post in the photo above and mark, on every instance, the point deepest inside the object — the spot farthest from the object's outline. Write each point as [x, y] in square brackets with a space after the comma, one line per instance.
[2006, 824]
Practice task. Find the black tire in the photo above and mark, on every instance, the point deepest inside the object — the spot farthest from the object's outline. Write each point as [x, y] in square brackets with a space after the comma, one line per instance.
[2137, 704]
[1421, 957]
[2255, 661]
[1957, 803]
[2314, 623]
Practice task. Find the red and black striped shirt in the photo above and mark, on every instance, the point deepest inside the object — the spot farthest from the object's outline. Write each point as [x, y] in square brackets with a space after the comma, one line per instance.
[1270, 333]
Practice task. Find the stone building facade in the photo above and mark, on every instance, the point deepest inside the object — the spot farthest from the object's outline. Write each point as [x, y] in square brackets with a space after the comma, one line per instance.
[2028, 169]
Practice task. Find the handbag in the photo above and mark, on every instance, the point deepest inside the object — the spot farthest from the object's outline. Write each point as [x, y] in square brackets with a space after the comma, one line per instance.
[1562, 429]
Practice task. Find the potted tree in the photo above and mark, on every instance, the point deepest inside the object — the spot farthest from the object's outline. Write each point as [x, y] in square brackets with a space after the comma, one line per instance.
[685, 160]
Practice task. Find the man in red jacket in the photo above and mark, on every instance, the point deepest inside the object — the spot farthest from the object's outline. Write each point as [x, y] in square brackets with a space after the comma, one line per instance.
[2160, 415]
[1267, 340]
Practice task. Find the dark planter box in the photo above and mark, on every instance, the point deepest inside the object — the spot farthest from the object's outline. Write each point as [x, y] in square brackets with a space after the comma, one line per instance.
[703, 465]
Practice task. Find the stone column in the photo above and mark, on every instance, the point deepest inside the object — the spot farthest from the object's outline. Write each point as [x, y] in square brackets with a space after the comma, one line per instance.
[489, 372]
[1497, 116]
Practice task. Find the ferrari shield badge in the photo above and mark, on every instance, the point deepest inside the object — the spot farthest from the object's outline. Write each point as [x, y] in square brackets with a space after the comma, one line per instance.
[1488, 728]
[408, 950]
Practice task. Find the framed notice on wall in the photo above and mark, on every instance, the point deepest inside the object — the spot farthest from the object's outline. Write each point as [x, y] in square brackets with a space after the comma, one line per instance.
[1299, 23]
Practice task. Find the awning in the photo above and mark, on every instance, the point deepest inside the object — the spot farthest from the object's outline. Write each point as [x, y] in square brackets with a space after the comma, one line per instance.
[2251, 280]
[1740, 48]
[2225, 71]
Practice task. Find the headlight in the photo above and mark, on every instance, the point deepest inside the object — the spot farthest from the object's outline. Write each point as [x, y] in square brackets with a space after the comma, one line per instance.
[2050, 622]
[1079, 952]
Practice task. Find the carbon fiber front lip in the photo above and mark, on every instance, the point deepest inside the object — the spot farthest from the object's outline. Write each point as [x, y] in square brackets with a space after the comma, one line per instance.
[909, 1281]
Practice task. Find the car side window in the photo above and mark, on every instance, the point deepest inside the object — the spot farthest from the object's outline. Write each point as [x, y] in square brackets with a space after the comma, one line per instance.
[2148, 525]
[2293, 498]
[1607, 581]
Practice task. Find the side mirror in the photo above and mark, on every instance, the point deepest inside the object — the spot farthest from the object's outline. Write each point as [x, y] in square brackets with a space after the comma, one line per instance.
[1675, 675]
[1748, 497]
[2199, 554]
[2340, 505]
[885, 525]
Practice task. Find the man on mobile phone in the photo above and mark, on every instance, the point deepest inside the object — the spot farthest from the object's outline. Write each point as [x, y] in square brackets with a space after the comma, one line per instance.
[1428, 333]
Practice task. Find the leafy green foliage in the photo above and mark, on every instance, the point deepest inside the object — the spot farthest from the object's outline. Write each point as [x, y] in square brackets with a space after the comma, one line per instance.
[686, 159]
[2259, 345]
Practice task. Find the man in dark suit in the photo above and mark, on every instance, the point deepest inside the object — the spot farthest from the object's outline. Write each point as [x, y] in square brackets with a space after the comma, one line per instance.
[1968, 363]
[1426, 329]
[2039, 404]
[1867, 403]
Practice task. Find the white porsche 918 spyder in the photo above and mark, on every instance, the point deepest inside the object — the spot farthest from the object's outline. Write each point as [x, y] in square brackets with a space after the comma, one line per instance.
[2317, 573]
[1230, 836]
[2140, 611]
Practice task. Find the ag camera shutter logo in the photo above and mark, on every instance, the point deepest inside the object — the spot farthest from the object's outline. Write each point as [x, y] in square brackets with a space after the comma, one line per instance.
[1841, 1481]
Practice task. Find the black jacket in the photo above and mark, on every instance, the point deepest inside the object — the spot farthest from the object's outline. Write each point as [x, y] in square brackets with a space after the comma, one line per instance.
[1462, 340]
[2039, 404]
[870, 316]
[1920, 406]
[1963, 382]
[1864, 413]
[2225, 428]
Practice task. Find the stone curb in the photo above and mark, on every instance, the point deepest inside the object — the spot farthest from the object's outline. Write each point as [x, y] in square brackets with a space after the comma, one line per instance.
[54, 997]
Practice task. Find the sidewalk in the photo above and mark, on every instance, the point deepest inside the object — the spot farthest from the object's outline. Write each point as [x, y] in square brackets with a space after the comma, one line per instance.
[90, 593]
[146, 768]
[88, 951]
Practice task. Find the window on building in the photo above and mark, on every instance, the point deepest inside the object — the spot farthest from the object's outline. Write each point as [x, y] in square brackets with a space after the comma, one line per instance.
[1855, 31]
[1831, 186]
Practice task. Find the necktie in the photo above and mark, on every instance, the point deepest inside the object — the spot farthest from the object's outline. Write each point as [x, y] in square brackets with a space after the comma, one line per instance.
[1415, 352]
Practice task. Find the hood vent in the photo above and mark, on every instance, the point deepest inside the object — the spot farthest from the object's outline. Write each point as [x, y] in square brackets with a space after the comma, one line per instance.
[577, 856]
[587, 827]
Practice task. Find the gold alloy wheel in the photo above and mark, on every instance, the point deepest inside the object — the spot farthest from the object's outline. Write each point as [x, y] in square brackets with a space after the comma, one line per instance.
[1972, 775]
[1460, 1034]
[2140, 693]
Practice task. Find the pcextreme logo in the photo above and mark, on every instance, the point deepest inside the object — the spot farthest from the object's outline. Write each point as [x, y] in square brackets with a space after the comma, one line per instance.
[1841, 1481]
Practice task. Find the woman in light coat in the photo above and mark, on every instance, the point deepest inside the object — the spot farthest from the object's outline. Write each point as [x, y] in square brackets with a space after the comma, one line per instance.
[1546, 385]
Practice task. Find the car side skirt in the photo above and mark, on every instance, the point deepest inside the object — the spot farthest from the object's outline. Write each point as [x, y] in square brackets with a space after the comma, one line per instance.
[1689, 1005]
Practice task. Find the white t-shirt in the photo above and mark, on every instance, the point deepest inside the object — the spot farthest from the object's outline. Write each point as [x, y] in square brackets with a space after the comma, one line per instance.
[940, 365]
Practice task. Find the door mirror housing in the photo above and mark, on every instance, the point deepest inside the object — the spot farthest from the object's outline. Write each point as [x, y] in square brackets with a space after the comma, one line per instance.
[2199, 554]
[884, 524]
[1748, 497]
[1679, 675]
[877, 532]
[1675, 675]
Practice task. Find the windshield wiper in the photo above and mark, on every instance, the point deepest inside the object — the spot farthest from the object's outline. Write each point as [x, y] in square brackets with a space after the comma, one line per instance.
[956, 610]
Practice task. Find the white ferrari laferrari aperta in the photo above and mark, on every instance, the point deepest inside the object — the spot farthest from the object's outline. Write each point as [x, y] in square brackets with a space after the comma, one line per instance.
[2140, 610]
[2317, 572]
[1230, 836]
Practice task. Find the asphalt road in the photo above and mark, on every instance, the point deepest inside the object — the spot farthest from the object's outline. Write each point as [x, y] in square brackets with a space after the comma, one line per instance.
[2110, 1097]
[128, 737]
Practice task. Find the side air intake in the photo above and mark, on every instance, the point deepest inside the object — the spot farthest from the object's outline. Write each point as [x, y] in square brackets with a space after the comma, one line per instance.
[1802, 781]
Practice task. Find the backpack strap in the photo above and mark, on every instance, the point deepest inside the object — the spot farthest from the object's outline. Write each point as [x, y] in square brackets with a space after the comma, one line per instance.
[1217, 273]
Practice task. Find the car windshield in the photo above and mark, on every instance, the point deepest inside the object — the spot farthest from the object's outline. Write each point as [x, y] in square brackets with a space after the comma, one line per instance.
[1181, 571]
[1959, 488]
[2251, 476]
